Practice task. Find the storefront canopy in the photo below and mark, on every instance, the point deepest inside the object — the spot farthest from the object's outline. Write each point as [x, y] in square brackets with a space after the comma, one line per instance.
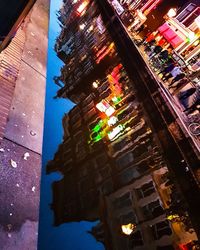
[170, 35]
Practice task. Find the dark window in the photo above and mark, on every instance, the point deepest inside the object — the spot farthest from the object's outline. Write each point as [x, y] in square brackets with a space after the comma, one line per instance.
[152, 210]
[192, 18]
[161, 229]
[146, 190]
[123, 201]
[136, 239]
[186, 12]
[120, 145]
[101, 160]
[128, 175]
[128, 218]
[124, 160]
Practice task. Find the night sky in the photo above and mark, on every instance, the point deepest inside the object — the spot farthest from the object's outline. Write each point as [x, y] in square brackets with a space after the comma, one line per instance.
[71, 236]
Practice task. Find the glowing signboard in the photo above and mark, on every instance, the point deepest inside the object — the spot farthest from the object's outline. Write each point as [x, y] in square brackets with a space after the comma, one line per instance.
[105, 107]
[117, 6]
[116, 131]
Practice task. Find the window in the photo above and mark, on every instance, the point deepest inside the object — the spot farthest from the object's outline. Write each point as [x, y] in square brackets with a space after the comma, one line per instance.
[188, 21]
[136, 240]
[186, 12]
[120, 145]
[107, 187]
[146, 190]
[152, 210]
[128, 175]
[124, 160]
[128, 218]
[123, 201]
[161, 229]
[101, 160]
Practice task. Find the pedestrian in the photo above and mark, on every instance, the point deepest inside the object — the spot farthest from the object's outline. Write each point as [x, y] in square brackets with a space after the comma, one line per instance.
[176, 71]
[184, 95]
[195, 106]
[179, 84]
[177, 78]
[167, 69]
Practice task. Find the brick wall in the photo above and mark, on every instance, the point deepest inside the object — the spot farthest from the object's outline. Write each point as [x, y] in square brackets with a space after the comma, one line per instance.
[10, 60]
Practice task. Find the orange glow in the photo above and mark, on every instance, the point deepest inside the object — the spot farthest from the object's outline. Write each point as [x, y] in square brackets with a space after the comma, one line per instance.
[107, 51]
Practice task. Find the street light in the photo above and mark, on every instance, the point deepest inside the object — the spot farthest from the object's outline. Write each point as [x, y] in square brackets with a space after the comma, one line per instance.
[172, 12]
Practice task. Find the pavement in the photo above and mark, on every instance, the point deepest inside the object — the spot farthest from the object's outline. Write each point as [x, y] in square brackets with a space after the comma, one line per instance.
[21, 147]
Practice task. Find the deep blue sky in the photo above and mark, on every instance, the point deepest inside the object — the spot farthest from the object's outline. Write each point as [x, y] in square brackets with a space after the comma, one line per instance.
[71, 236]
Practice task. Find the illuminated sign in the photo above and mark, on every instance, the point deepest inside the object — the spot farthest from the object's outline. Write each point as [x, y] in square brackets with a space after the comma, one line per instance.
[116, 131]
[117, 6]
[100, 25]
[105, 107]
[112, 121]
[110, 111]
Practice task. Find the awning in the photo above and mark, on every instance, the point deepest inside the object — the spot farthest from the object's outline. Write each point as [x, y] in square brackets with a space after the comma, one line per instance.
[169, 35]
[176, 41]
[163, 28]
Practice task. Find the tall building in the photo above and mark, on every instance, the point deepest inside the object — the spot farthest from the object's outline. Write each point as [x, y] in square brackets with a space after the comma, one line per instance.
[123, 156]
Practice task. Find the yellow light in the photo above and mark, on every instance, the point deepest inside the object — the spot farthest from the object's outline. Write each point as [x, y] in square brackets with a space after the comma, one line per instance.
[128, 229]
[95, 85]
[172, 12]
[172, 216]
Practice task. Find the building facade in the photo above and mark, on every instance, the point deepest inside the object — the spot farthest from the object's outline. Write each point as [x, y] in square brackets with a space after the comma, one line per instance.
[117, 157]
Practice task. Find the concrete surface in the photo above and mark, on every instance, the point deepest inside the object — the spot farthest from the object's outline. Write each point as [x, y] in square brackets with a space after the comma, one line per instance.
[27, 111]
[20, 181]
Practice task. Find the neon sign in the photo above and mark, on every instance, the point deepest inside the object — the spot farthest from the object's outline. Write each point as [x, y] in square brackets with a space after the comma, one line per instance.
[105, 107]
[112, 121]
[116, 131]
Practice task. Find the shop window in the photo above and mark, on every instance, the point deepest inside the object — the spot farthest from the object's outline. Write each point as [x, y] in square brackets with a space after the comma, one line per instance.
[124, 160]
[122, 202]
[146, 190]
[152, 210]
[161, 229]
[136, 240]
